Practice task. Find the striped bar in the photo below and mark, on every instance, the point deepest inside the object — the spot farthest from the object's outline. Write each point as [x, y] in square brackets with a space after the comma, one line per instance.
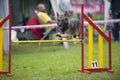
[90, 46]
[35, 41]
[55, 25]
[100, 49]
[1, 49]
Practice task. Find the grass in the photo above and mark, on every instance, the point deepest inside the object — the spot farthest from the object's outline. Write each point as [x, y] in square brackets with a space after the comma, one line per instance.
[53, 62]
[98, 17]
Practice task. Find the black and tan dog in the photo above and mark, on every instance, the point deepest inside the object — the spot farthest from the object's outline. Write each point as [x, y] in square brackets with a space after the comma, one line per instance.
[68, 26]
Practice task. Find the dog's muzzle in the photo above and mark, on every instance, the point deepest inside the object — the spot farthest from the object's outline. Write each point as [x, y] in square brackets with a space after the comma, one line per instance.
[59, 24]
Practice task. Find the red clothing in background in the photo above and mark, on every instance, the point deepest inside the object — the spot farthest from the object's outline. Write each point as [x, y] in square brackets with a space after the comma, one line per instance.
[37, 32]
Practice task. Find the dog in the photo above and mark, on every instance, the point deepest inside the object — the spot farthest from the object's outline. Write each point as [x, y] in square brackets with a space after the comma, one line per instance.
[68, 26]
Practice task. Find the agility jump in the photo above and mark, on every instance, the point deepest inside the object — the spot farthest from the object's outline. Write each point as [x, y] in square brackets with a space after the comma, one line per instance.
[94, 66]
[90, 56]
[9, 17]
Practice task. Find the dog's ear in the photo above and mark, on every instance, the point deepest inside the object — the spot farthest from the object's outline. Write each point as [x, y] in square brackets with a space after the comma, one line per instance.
[57, 15]
[67, 14]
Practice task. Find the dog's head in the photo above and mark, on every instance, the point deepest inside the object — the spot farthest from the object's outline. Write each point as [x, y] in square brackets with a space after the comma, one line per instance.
[63, 21]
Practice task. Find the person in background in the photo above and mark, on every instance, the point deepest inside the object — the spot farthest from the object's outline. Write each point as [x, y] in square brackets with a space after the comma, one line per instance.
[43, 16]
[115, 11]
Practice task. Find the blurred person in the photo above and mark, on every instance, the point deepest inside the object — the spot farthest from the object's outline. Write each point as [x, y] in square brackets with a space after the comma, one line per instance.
[43, 16]
[37, 33]
[32, 33]
[115, 11]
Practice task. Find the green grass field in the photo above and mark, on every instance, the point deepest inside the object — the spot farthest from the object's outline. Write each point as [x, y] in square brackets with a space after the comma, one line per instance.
[52, 62]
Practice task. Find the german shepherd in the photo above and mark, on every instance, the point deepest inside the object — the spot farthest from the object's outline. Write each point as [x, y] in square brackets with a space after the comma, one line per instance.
[68, 26]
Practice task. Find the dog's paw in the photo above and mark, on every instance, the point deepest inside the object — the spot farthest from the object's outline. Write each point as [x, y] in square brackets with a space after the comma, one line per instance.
[58, 35]
[64, 35]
